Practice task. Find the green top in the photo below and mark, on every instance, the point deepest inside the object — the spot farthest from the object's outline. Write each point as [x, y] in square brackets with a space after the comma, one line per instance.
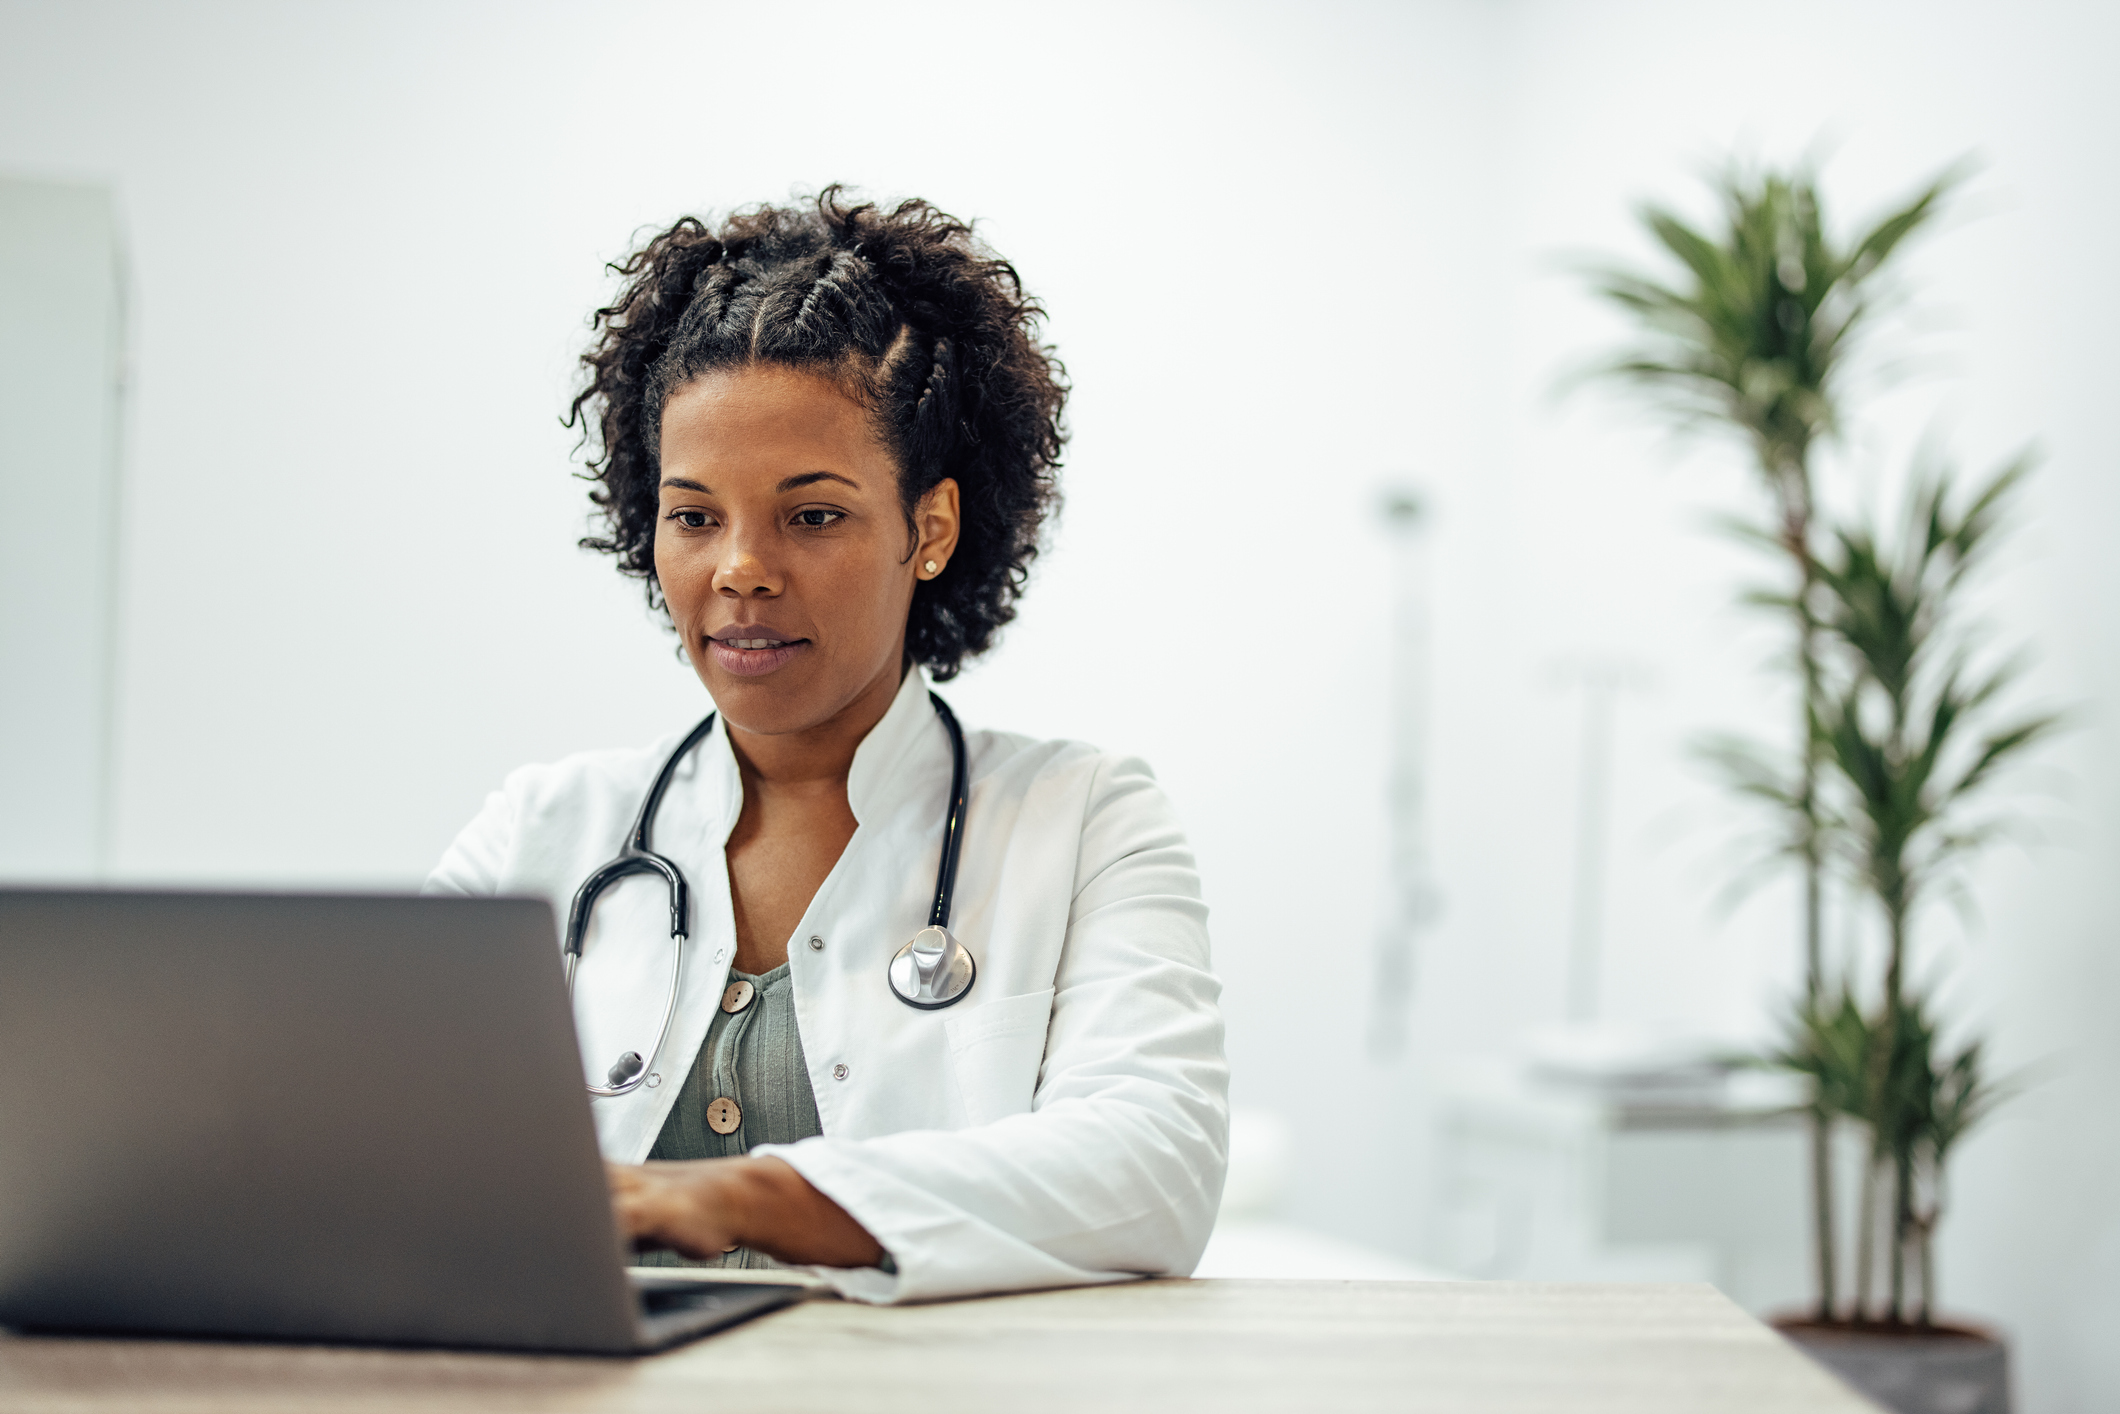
[752, 1056]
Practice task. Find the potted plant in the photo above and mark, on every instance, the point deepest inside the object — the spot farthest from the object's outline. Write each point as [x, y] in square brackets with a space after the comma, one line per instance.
[1915, 739]
[1890, 748]
[1755, 336]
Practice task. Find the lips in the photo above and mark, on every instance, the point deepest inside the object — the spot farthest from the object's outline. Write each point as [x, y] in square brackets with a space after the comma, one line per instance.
[753, 650]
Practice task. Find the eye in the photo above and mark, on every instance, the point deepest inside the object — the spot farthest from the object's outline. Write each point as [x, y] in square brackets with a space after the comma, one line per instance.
[689, 519]
[818, 517]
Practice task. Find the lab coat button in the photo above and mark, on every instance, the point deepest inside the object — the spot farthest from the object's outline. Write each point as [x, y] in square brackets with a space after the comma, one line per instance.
[738, 996]
[724, 1116]
[839, 1072]
[816, 945]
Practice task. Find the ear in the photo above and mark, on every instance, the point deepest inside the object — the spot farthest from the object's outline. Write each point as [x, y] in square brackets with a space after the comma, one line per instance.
[936, 523]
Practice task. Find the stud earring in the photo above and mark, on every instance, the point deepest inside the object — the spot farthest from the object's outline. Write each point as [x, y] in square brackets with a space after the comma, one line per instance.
[932, 568]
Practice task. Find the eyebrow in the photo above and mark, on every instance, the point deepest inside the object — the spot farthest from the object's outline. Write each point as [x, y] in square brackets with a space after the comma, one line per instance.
[790, 483]
[811, 478]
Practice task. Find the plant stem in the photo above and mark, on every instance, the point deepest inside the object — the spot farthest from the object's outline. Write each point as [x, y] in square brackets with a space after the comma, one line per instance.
[1891, 1104]
[1795, 483]
[1927, 1238]
[1866, 1235]
[1902, 1233]
[1822, 1209]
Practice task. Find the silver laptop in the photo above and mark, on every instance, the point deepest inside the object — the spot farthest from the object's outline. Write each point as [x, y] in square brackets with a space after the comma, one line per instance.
[301, 1117]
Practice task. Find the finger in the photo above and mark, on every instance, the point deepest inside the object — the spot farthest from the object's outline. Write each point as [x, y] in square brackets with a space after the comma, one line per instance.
[636, 1208]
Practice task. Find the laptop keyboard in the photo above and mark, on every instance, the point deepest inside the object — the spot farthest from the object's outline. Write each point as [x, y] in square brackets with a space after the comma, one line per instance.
[662, 1296]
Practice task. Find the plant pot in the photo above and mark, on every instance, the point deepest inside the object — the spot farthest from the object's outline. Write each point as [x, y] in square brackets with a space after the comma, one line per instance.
[1939, 1369]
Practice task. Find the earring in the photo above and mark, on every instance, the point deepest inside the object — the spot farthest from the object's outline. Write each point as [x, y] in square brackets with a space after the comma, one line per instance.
[932, 568]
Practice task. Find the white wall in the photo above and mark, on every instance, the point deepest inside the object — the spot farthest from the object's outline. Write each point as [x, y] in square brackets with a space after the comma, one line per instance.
[1292, 253]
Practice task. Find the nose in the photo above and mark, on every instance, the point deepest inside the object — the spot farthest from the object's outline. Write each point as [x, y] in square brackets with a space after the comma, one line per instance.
[743, 575]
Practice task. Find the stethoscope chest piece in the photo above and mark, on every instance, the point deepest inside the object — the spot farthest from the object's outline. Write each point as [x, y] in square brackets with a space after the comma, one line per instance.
[933, 970]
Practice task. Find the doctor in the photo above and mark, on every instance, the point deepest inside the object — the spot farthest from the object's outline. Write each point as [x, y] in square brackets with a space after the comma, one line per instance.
[825, 438]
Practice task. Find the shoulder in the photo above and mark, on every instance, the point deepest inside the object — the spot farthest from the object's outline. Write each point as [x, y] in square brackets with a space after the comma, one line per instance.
[1014, 758]
[546, 813]
[1109, 800]
[585, 778]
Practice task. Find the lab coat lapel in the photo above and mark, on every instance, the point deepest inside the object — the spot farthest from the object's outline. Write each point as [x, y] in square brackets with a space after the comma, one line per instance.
[874, 901]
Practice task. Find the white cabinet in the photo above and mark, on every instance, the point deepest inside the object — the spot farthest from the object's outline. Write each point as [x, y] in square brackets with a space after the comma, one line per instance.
[61, 365]
[1551, 1181]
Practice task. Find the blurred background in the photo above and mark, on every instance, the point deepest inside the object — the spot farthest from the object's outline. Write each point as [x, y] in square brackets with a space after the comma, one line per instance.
[1315, 270]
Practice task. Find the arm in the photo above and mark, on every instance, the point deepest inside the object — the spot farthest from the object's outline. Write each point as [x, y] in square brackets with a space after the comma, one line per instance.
[1116, 1169]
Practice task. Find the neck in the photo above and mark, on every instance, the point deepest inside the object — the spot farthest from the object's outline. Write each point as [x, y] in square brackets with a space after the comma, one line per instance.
[819, 755]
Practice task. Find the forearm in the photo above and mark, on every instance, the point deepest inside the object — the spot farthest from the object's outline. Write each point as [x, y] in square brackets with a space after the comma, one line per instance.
[1104, 1187]
[704, 1207]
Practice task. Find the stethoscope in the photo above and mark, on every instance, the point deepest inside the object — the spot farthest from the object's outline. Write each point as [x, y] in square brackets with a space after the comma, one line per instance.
[931, 971]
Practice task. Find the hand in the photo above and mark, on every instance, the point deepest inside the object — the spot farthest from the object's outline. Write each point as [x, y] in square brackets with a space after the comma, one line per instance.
[704, 1207]
[680, 1206]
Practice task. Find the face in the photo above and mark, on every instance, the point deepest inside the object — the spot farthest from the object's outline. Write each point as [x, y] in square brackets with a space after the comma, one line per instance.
[783, 551]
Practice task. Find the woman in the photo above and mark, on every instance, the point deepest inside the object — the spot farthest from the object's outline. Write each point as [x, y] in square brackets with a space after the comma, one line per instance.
[826, 438]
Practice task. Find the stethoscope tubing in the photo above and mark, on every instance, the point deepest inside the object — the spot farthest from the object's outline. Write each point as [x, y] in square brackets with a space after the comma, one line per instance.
[639, 857]
[953, 826]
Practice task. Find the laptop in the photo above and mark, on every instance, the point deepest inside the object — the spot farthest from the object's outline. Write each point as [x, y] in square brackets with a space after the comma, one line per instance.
[336, 1118]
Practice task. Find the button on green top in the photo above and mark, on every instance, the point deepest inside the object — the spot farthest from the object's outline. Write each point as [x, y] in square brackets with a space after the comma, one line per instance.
[752, 1059]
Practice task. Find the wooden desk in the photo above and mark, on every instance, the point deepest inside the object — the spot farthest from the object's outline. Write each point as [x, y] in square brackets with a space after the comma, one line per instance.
[1165, 1346]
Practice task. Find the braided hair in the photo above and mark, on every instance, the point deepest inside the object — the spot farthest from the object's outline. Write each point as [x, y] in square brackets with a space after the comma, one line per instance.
[910, 315]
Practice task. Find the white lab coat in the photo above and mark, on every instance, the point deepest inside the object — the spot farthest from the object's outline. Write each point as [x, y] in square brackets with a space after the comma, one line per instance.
[1065, 1123]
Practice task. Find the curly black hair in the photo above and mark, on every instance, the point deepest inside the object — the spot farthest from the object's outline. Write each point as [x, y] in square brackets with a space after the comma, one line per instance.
[908, 311]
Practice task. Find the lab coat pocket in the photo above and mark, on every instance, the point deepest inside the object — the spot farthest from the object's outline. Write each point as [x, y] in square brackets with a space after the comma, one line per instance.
[995, 1051]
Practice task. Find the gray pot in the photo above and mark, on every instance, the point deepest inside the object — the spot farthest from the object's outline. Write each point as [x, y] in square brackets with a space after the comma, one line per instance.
[1948, 1370]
